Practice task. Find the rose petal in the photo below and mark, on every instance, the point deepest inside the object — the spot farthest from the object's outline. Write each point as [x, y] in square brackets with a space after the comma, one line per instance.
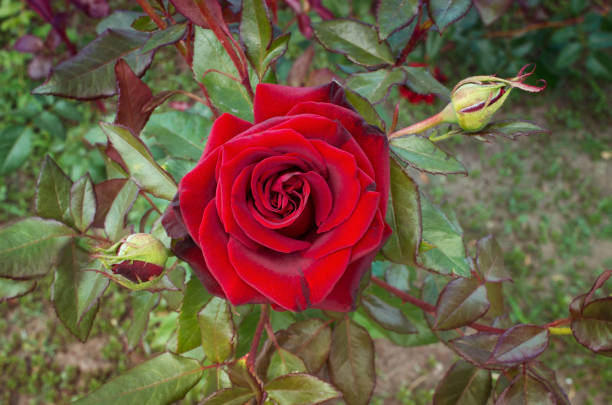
[289, 280]
[321, 196]
[349, 232]
[223, 129]
[343, 182]
[273, 100]
[195, 191]
[373, 238]
[214, 242]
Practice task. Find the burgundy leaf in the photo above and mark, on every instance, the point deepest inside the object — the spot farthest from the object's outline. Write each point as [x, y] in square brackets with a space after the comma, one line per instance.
[592, 326]
[520, 344]
[134, 95]
[28, 44]
[105, 195]
[39, 67]
[461, 302]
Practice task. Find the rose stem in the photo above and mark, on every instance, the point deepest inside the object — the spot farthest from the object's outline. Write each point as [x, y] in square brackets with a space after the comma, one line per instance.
[404, 296]
[421, 125]
[263, 319]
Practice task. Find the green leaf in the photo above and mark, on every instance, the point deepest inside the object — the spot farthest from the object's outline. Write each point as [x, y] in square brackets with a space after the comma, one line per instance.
[364, 108]
[403, 216]
[300, 389]
[375, 86]
[246, 321]
[227, 94]
[448, 253]
[255, 32]
[216, 379]
[422, 154]
[277, 48]
[445, 12]
[182, 134]
[189, 335]
[519, 344]
[53, 192]
[52, 124]
[392, 15]
[83, 203]
[388, 316]
[464, 384]
[284, 362]
[511, 129]
[66, 285]
[526, 390]
[592, 327]
[310, 340]
[421, 81]
[161, 380]
[14, 289]
[114, 223]
[357, 40]
[218, 330]
[490, 260]
[15, 147]
[143, 303]
[351, 362]
[90, 73]
[30, 247]
[230, 396]
[91, 286]
[142, 167]
[461, 302]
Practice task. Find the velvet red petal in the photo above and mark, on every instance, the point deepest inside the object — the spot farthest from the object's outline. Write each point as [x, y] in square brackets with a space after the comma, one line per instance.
[223, 129]
[321, 196]
[273, 100]
[214, 242]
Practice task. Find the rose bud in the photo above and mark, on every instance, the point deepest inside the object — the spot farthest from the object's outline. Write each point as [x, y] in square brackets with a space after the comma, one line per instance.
[474, 100]
[141, 257]
[290, 209]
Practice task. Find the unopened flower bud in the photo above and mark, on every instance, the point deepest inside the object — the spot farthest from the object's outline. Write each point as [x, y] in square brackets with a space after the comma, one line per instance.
[141, 257]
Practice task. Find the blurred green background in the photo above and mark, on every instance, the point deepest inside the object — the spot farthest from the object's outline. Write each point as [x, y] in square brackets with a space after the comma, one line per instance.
[547, 198]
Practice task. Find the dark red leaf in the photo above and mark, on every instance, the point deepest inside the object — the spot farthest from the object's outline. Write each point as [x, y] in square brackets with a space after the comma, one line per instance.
[134, 95]
[592, 326]
[28, 44]
[461, 302]
[477, 348]
[40, 67]
[519, 344]
[105, 195]
[464, 384]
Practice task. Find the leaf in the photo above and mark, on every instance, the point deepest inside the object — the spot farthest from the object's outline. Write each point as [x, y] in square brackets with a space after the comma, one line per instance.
[227, 94]
[490, 260]
[448, 253]
[404, 217]
[300, 389]
[276, 49]
[364, 108]
[30, 247]
[520, 344]
[52, 124]
[477, 348]
[375, 86]
[218, 330]
[422, 154]
[592, 327]
[90, 73]
[134, 95]
[548, 378]
[388, 316]
[351, 362]
[161, 380]
[83, 203]
[114, 224]
[91, 286]
[526, 390]
[181, 134]
[142, 167]
[491, 10]
[143, 303]
[461, 302]
[392, 15]
[511, 129]
[15, 147]
[106, 192]
[189, 335]
[311, 341]
[70, 270]
[357, 40]
[421, 81]
[255, 32]
[284, 362]
[53, 192]
[230, 396]
[10, 289]
[215, 379]
[464, 384]
[445, 12]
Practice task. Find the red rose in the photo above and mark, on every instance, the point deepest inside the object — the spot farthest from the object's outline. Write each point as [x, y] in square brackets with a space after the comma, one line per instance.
[289, 210]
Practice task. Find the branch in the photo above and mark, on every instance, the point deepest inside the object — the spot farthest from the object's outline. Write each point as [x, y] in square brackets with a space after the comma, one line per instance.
[263, 319]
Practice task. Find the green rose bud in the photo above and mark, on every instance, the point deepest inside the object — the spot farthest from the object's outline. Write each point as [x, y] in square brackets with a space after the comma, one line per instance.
[141, 257]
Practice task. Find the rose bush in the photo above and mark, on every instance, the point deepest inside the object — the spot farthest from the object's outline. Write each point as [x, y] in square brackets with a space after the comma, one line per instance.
[290, 209]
